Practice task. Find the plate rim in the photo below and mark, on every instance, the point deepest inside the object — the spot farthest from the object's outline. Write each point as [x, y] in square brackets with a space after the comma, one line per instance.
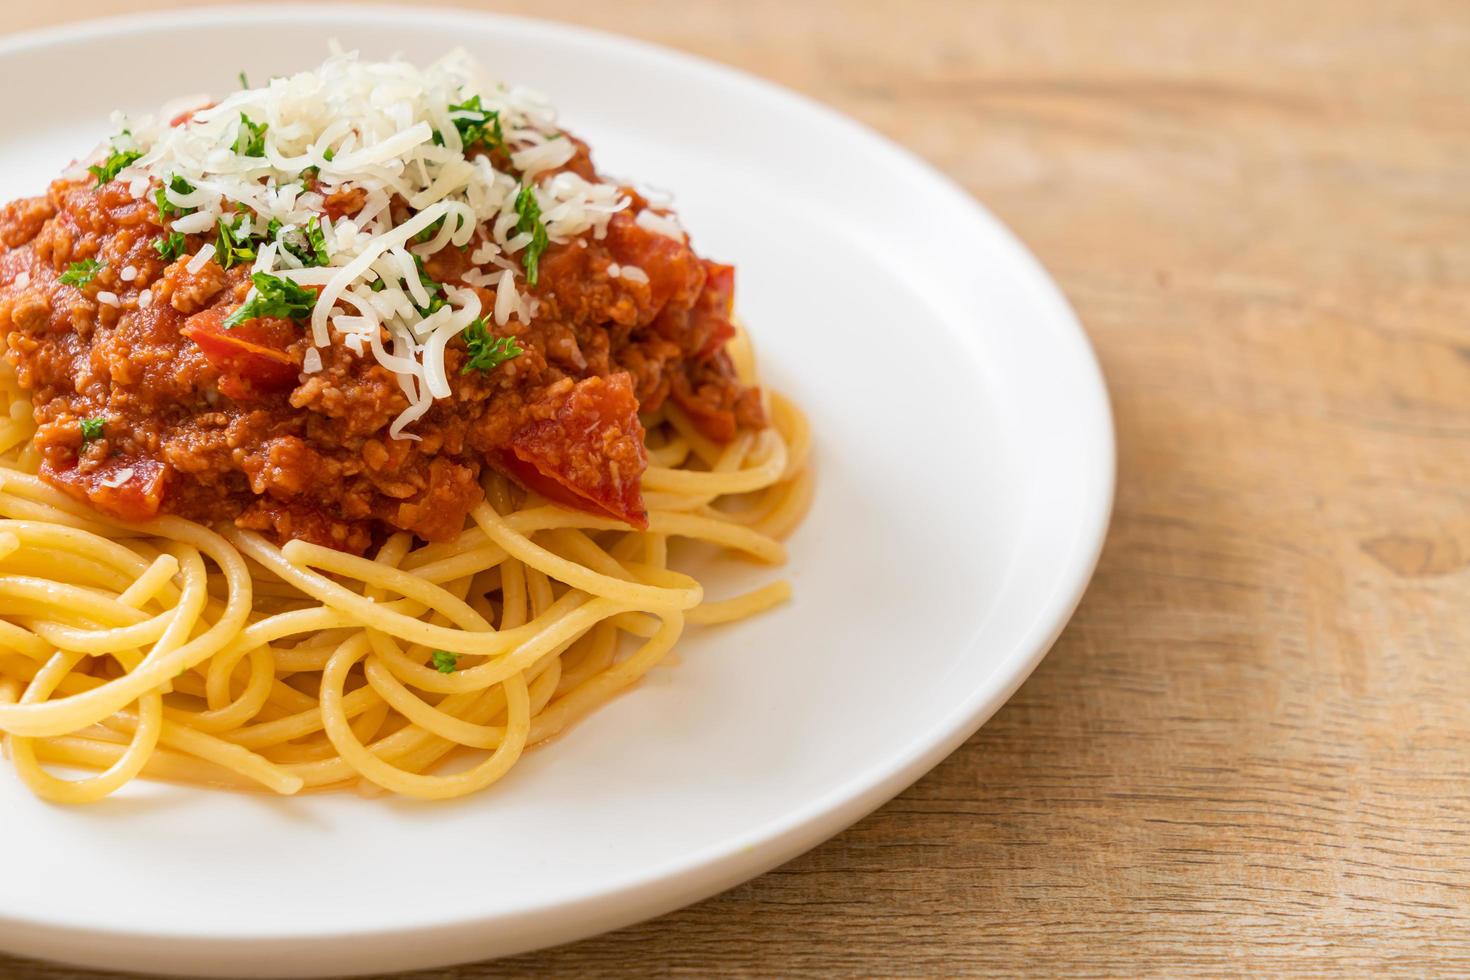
[710, 870]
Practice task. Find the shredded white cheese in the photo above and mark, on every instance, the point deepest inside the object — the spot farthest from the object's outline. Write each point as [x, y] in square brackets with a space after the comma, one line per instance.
[200, 260]
[663, 224]
[265, 163]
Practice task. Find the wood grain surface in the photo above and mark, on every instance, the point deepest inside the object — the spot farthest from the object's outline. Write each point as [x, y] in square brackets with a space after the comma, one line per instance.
[1250, 751]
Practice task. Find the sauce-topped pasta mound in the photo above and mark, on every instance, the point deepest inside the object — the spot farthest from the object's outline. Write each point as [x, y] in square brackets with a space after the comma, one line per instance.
[320, 308]
[346, 427]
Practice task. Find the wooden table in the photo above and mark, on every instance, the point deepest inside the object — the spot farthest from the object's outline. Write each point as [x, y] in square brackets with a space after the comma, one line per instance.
[1248, 753]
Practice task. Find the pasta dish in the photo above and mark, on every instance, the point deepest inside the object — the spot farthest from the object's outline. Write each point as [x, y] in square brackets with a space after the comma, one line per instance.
[350, 423]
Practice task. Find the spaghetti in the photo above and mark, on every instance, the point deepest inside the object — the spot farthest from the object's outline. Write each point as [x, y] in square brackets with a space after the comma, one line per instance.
[174, 651]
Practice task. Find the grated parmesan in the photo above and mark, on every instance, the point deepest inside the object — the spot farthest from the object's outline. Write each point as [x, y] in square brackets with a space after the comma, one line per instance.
[385, 131]
[200, 259]
[662, 224]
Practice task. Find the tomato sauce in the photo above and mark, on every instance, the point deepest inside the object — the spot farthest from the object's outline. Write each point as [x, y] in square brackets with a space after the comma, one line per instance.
[221, 424]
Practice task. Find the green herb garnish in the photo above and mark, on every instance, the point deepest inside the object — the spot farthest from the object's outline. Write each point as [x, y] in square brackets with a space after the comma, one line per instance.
[92, 430]
[276, 297]
[251, 139]
[429, 232]
[530, 221]
[170, 246]
[114, 163]
[244, 82]
[233, 245]
[445, 662]
[317, 239]
[79, 274]
[487, 352]
[476, 124]
[167, 208]
[313, 251]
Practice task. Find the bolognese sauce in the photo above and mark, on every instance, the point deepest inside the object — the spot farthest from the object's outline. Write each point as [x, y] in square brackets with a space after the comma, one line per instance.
[157, 391]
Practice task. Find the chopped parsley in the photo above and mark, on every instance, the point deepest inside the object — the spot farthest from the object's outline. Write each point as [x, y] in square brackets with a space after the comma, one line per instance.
[487, 352]
[251, 140]
[92, 430]
[275, 297]
[167, 208]
[114, 164]
[476, 124]
[309, 175]
[79, 274]
[530, 221]
[430, 231]
[233, 245]
[170, 246]
[445, 662]
[317, 239]
[308, 245]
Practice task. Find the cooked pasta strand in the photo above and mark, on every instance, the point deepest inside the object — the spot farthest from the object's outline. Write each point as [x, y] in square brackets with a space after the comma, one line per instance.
[168, 650]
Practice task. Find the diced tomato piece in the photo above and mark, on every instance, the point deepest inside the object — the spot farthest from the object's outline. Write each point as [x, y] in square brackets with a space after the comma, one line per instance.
[719, 288]
[714, 308]
[344, 202]
[588, 454]
[247, 356]
[675, 273]
[720, 334]
[701, 325]
[130, 488]
[707, 388]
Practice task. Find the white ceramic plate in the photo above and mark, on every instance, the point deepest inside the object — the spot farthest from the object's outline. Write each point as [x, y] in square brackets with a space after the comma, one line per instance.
[965, 459]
